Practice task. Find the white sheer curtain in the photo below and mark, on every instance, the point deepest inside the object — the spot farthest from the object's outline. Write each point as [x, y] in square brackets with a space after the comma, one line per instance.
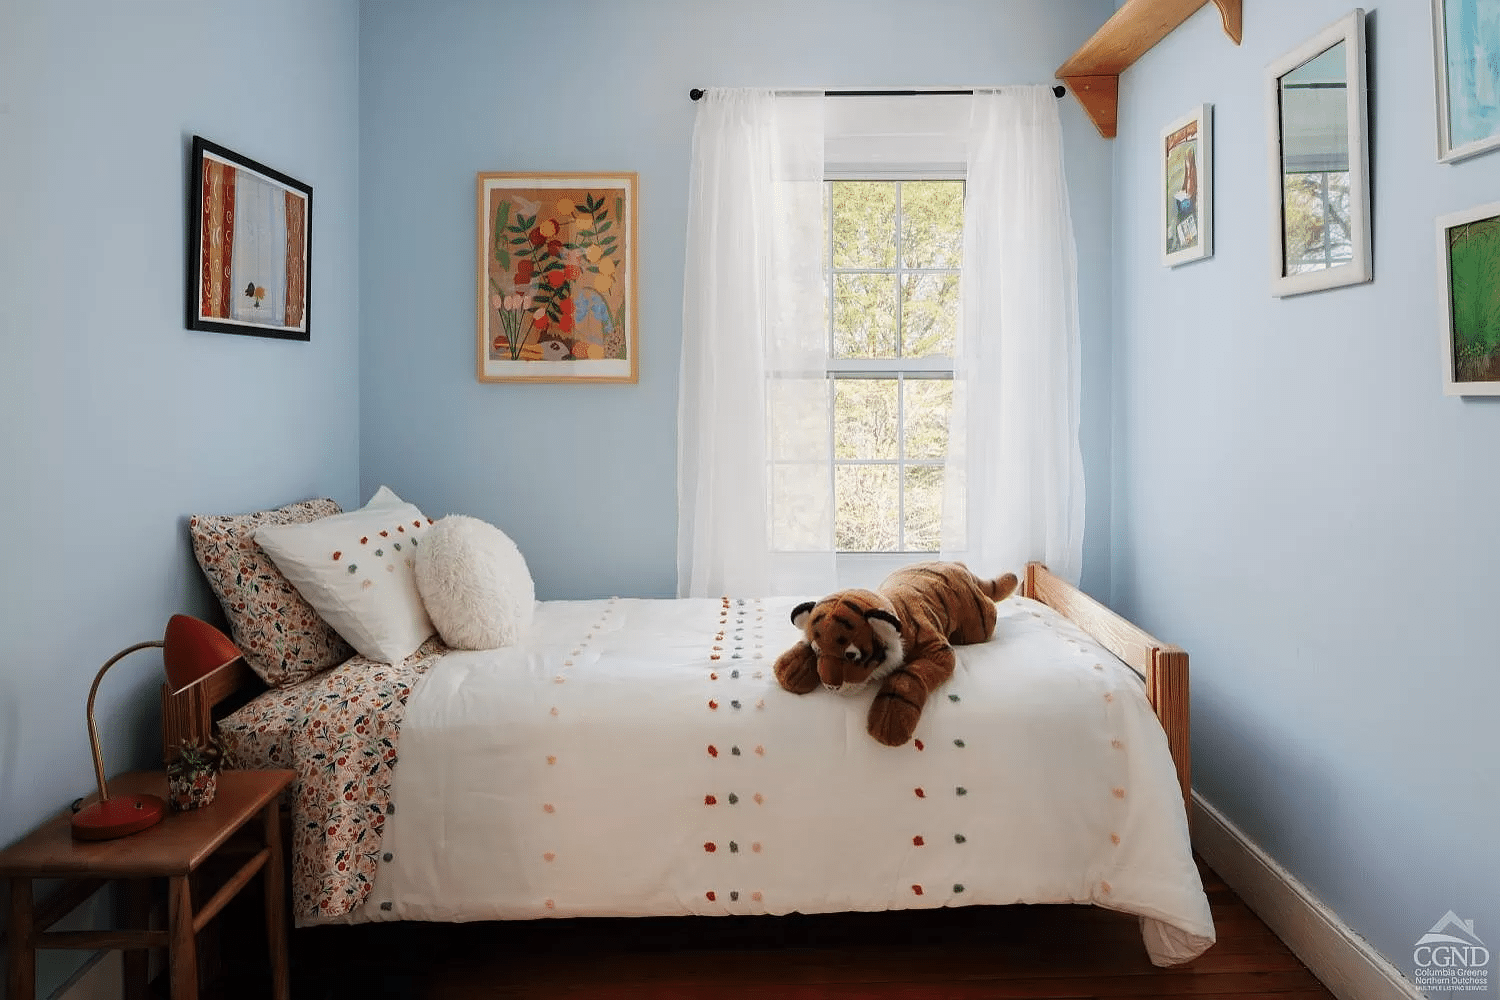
[1013, 442]
[754, 477]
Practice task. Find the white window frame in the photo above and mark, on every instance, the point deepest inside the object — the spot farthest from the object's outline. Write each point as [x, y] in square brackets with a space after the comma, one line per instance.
[867, 569]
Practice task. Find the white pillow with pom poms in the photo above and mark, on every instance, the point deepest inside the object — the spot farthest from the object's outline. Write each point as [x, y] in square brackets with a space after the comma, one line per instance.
[474, 581]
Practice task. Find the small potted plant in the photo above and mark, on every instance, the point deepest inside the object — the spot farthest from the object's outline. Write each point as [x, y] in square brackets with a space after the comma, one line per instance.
[193, 773]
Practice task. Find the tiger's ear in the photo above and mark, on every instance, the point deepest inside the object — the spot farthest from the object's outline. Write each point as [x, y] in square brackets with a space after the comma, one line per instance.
[886, 625]
[801, 611]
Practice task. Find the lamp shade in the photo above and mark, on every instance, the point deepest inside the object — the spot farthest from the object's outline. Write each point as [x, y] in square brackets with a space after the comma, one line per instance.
[193, 649]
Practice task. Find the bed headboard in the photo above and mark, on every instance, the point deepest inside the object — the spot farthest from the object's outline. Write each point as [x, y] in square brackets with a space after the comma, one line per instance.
[1163, 667]
[191, 714]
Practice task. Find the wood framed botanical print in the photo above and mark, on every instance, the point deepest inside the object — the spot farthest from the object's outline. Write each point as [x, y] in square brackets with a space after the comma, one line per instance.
[1468, 245]
[250, 247]
[556, 284]
[1186, 192]
[1466, 44]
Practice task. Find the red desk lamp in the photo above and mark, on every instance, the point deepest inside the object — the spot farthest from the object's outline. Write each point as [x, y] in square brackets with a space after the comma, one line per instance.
[191, 650]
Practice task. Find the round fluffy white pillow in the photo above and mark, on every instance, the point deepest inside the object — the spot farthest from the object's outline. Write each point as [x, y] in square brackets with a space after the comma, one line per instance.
[474, 581]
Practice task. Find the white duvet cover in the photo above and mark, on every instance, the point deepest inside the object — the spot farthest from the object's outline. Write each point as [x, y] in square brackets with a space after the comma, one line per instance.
[636, 757]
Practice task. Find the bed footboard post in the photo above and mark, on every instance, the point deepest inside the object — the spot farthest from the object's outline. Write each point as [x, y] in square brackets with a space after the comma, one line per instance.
[1167, 689]
[1163, 667]
[1028, 582]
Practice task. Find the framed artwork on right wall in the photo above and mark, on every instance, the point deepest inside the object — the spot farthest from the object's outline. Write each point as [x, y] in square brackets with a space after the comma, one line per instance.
[1466, 43]
[1468, 245]
[1186, 192]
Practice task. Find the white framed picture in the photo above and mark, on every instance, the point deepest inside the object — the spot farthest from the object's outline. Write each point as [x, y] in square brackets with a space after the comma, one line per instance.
[1468, 252]
[1186, 194]
[1466, 55]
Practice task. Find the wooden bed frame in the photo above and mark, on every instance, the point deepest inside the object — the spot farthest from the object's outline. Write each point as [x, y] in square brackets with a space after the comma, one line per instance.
[1164, 668]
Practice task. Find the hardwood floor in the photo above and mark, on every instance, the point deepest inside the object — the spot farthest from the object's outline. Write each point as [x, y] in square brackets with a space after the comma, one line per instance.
[951, 954]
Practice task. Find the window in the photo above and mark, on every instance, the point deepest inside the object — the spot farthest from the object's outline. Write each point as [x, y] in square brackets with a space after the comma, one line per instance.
[892, 255]
[828, 241]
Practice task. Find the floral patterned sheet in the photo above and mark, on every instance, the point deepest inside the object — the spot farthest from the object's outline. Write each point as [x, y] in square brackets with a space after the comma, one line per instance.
[338, 731]
[636, 757]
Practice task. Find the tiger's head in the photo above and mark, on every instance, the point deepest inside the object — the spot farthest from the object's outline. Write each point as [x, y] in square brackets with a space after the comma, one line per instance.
[855, 635]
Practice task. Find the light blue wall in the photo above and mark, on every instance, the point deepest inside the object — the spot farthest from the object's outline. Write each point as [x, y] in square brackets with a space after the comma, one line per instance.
[1298, 504]
[117, 421]
[584, 476]
[1292, 498]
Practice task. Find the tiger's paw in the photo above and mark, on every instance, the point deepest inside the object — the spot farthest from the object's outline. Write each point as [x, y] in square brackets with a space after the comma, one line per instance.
[893, 720]
[797, 669]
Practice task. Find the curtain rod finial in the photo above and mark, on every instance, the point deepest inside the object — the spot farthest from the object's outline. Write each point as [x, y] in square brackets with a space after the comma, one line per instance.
[696, 93]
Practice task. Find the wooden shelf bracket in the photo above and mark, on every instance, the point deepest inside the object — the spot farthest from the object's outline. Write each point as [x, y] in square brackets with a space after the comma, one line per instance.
[1093, 72]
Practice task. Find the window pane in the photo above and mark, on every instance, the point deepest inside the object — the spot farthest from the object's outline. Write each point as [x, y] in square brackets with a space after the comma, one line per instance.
[929, 314]
[800, 517]
[864, 315]
[864, 223]
[894, 295]
[797, 411]
[864, 418]
[867, 506]
[929, 401]
[932, 223]
[924, 508]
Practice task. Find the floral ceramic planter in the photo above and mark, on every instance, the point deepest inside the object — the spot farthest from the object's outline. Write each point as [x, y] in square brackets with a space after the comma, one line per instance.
[191, 791]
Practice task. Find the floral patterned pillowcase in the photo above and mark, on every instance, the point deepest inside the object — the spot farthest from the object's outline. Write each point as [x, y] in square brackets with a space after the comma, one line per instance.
[281, 636]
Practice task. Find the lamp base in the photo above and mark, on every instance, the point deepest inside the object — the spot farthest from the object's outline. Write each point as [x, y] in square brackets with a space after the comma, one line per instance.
[118, 817]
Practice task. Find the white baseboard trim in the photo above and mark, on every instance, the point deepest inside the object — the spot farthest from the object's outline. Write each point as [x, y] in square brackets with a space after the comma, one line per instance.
[1340, 958]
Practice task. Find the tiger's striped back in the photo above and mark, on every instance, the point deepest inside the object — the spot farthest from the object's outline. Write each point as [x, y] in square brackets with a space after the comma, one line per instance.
[950, 593]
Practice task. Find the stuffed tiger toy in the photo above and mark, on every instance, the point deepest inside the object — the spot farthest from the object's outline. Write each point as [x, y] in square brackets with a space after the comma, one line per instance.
[901, 637]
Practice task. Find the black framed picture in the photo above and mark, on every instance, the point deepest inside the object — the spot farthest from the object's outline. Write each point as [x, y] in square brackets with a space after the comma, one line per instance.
[250, 247]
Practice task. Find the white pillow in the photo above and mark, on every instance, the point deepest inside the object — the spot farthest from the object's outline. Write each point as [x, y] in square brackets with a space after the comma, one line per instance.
[355, 569]
[475, 584]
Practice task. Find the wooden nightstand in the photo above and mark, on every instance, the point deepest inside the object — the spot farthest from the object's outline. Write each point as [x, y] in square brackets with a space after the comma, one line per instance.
[173, 849]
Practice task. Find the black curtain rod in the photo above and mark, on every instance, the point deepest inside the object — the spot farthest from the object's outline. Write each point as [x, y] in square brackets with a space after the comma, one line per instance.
[697, 92]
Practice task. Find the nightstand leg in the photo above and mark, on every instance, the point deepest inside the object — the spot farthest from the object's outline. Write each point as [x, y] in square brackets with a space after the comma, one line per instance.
[184, 957]
[136, 962]
[274, 873]
[20, 978]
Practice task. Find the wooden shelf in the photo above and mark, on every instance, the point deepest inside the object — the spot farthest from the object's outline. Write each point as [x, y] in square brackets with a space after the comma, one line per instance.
[1093, 72]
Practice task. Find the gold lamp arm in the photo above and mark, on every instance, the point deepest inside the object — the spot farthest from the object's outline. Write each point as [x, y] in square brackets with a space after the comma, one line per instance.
[93, 730]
